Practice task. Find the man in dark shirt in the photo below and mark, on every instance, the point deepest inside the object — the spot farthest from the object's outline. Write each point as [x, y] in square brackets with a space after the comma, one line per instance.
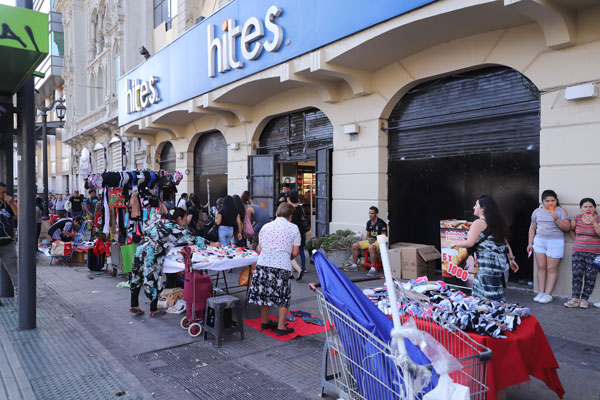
[375, 226]
[76, 204]
[90, 204]
[8, 249]
[283, 196]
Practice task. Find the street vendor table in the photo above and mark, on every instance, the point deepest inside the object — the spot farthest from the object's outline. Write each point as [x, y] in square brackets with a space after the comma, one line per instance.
[173, 263]
[522, 353]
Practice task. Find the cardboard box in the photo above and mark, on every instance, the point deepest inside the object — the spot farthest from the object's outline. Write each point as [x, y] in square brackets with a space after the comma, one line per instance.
[78, 257]
[417, 259]
[395, 256]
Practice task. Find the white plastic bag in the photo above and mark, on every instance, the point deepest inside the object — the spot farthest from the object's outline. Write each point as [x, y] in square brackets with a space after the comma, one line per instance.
[446, 389]
[442, 361]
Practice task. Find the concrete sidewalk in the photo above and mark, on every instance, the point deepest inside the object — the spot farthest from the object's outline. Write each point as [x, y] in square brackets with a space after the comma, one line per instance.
[88, 346]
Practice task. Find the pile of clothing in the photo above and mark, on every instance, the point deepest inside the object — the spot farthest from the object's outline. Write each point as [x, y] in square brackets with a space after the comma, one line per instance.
[452, 308]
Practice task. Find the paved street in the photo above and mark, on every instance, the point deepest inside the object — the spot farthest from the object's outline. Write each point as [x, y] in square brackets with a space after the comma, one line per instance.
[88, 346]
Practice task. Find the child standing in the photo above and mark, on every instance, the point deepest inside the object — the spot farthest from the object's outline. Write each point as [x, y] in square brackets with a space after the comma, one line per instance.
[549, 223]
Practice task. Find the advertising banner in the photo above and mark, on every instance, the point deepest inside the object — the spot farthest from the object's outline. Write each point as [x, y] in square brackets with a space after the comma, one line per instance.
[458, 266]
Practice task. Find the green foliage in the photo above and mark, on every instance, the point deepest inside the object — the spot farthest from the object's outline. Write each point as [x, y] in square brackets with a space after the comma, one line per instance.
[341, 239]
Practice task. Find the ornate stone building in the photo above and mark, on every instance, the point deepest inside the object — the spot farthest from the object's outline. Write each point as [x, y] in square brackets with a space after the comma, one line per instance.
[102, 41]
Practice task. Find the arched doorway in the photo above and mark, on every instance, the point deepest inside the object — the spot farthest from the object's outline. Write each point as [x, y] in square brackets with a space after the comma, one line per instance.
[296, 148]
[210, 167]
[456, 138]
[99, 161]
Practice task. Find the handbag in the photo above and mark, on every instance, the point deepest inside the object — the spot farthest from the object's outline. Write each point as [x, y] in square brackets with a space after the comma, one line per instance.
[248, 229]
[211, 231]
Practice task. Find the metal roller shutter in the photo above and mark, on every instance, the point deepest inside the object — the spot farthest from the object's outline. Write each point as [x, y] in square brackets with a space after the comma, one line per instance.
[168, 158]
[116, 157]
[210, 167]
[296, 136]
[490, 110]
[210, 154]
[99, 162]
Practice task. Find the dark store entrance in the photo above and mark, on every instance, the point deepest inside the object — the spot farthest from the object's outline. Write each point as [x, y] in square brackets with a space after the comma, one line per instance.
[295, 148]
[460, 137]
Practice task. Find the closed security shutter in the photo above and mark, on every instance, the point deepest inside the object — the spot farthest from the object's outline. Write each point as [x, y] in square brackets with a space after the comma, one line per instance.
[296, 136]
[99, 162]
[116, 157]
[210, 154]
[490, 110]
[210, 167]
[168, 158]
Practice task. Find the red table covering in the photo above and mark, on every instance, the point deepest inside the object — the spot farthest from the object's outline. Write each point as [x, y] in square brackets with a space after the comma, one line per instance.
[524, 352]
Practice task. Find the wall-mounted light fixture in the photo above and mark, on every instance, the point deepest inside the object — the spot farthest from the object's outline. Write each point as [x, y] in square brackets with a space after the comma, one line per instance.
[351, 129]
[577, 92]
[234, 146]
[180, 156]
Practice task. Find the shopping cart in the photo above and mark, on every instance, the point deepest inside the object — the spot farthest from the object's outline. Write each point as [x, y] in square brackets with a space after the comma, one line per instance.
[362, 366]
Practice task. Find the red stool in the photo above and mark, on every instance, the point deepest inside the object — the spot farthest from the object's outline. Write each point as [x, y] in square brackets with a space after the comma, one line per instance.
[367, 263]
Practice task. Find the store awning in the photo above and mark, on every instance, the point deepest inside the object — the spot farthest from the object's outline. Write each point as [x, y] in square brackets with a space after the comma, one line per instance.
[23, 45]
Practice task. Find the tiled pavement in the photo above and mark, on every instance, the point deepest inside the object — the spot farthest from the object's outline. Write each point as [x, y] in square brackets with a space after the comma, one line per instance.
[88, 346]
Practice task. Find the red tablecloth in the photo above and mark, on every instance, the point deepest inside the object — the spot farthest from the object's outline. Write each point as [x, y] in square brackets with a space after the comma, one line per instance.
[524, 352]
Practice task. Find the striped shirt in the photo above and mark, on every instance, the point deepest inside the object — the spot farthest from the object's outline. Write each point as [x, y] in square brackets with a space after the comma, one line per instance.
[586, 239]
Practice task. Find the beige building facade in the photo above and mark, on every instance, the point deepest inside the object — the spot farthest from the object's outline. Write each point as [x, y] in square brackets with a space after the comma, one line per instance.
[359, 81]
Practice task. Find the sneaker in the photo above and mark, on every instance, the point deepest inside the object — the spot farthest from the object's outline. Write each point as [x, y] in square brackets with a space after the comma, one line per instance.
[538, 297]
[597, 305]
[352, 268]
[545, 298]
[372, 272]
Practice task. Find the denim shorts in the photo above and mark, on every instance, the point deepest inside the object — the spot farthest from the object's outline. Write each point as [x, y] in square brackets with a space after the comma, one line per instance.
[554, 248]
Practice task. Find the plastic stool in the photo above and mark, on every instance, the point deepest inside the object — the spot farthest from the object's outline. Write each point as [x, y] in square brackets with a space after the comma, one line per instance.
[216, 307]
[367, 263]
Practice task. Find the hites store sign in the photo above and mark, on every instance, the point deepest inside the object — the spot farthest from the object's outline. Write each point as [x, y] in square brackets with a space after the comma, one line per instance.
[225, 49]
[241, 39]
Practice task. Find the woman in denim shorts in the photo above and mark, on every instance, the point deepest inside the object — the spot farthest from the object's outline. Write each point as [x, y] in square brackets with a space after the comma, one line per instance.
[549, 222]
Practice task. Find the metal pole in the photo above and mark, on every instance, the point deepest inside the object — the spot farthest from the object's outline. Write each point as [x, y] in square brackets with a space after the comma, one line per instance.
[27, 192]
[45, 163]
[6, 176]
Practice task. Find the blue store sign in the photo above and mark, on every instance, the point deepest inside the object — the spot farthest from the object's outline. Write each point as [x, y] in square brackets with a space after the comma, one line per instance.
[241, 39]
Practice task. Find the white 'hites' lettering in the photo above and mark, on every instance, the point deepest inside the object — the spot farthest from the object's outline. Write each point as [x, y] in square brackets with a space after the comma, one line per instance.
[224, 48]
[141, 94]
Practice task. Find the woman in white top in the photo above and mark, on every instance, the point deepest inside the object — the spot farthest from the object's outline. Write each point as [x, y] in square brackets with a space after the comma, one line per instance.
[279, 243]
[182, 203]
[549, 222]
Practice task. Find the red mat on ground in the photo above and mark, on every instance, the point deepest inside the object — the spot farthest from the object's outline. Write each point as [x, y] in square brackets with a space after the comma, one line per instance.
[301, 328]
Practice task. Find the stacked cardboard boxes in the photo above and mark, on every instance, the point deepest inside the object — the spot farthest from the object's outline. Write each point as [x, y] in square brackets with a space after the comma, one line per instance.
[412, 260]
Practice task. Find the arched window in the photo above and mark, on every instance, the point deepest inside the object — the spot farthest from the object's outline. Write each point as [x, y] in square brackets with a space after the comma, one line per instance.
[92, 93]
[100, 87]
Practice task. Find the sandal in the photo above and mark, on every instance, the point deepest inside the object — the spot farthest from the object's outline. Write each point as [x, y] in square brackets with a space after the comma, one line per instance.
[136, 311]
[573, 303]
[583, 304]
[157, 313]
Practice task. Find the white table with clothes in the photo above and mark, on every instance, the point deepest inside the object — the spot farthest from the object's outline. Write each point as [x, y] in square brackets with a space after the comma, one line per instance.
[219, 259]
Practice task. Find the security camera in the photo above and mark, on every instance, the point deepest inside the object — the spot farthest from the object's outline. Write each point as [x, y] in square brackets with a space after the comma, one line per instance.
[144, 51]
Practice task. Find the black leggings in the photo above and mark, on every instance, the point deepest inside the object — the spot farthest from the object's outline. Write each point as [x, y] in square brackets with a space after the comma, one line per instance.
[135, 299]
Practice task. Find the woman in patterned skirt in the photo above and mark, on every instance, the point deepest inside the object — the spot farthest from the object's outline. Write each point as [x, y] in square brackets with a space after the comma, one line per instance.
[279, 243]
[160, 236]
[488, 238]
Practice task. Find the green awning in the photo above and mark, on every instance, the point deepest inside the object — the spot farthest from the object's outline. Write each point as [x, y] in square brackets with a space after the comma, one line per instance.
[23, 45]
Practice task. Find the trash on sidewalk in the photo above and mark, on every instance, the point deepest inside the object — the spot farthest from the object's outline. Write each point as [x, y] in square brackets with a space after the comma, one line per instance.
[123, 285]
